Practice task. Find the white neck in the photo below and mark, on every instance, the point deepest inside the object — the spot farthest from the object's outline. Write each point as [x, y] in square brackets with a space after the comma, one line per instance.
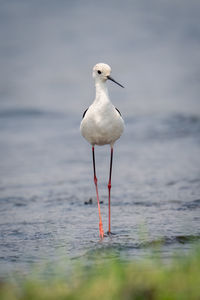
[101, 91]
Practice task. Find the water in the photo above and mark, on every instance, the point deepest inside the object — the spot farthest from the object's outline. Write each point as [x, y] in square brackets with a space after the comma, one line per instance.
[46, 176]
[46, 166]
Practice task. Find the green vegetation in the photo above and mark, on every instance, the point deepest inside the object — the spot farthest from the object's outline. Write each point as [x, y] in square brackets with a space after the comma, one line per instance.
[147, 279]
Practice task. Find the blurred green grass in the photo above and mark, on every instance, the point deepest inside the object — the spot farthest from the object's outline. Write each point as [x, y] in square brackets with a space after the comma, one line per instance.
[115, 279]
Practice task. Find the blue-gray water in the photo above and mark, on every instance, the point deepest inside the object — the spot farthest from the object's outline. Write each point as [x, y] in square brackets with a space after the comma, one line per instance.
[47, 53]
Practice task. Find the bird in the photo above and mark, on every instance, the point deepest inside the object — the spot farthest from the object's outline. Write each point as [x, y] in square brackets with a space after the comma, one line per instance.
[102, 124]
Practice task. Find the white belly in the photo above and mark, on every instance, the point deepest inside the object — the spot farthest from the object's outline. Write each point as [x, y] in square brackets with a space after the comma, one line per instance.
[102, 127]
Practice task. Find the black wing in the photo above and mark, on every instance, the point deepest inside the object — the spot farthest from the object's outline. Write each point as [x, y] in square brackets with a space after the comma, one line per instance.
[118, 111]
[84, 113]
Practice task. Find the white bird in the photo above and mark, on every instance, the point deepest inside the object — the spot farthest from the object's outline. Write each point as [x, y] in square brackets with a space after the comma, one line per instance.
[102, 124]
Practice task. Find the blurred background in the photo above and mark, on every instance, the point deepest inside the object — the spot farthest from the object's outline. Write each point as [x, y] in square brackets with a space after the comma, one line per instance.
[47, 52]
[48, 49]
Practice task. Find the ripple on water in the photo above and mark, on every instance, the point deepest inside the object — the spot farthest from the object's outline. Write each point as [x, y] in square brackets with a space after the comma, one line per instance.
[47, 215]
[170, 127]
[191, 205]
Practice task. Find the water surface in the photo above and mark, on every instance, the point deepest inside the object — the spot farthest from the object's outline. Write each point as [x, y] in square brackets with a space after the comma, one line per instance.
[46, 166]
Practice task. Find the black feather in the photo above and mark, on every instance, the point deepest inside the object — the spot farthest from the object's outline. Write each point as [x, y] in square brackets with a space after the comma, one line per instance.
[84, 113]
[118, 111]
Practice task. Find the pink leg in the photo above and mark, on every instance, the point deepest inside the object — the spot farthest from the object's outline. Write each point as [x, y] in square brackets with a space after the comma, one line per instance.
[109, 188]
[101, 232]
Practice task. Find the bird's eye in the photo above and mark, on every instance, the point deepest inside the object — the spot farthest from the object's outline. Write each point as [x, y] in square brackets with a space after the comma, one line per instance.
[99, 72]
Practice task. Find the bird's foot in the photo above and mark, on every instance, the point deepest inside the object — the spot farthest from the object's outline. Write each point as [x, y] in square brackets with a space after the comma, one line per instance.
[110, 233]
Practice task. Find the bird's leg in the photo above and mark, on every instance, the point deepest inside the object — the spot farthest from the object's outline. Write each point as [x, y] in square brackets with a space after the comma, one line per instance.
[109, 190]
[101, 232]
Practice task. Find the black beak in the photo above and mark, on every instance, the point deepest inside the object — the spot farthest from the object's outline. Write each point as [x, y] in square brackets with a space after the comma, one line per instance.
[110, 78]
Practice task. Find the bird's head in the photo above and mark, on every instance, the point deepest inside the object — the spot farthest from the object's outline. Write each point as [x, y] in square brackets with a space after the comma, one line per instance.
[101, 72]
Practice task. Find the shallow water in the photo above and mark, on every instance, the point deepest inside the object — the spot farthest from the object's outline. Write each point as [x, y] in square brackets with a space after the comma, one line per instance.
[46, 176]
[46, 166]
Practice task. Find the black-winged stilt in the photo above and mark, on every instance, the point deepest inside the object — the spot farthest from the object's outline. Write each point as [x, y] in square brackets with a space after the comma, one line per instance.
[102, 124]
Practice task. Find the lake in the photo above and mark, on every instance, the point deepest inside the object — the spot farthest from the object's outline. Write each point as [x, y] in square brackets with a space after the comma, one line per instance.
[46, 175]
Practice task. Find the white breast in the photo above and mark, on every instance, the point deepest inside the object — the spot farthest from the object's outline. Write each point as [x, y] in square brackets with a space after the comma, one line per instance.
[102, 124]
